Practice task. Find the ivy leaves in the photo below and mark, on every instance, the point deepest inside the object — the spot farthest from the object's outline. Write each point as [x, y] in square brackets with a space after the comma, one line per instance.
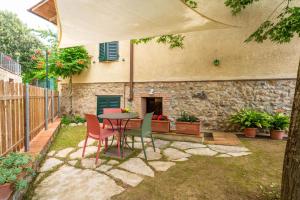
[238, 5]
[174, 41]
[280, 30]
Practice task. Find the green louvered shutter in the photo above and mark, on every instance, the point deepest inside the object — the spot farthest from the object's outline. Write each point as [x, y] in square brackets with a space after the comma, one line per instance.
[102, 52]
[107, 102]
[109, 51]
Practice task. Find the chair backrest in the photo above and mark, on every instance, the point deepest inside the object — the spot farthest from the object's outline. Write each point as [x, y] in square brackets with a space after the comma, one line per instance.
[110, 110]
[93, 126]
[146, 126]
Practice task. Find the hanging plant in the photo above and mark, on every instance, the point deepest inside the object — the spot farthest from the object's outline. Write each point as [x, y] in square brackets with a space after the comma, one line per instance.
[216, 62]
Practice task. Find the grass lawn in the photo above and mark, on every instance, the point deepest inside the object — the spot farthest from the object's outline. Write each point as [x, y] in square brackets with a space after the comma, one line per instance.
[208, 178]
[68, 137]
[205, 178]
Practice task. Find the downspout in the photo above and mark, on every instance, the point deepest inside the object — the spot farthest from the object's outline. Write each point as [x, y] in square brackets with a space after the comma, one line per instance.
[131, 71]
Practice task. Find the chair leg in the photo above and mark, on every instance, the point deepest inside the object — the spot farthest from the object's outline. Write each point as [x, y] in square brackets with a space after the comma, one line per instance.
[119, 145]
[98, 152]
[152, 142]
[84, 146]
[122, 144]
[106, 144]
[132, 142]
[142, 140]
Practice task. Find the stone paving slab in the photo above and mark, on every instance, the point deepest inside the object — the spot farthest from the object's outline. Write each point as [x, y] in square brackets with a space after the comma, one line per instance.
[113, 162]
[88, 151]
[228, 149]
[223, 156]
[237, 154]
[161, 165]
[90, 142]
[137, 166]
[201, 152]
[64, 152]
[51, 153]
[73, 162]
[69, 183]
[151, 155]
[49, 164]
[174, 154]
[90, 163]
[138, 139]
[104, 168]
[187, 145]
[127, 177]
[160, 143]
[181, 160]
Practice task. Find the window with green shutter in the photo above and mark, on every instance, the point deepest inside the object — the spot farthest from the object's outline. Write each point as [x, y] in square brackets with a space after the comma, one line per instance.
[109, 51]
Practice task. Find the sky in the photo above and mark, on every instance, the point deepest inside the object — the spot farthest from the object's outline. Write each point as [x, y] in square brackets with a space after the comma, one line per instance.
[20, 8]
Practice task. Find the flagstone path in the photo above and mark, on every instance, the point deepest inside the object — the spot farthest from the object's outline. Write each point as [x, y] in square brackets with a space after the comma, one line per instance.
[66, 175]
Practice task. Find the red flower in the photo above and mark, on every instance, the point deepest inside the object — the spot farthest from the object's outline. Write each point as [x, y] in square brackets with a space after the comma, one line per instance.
[59, 64]
[81, 62]
[33, 57]
[40, 65]
[37, 51]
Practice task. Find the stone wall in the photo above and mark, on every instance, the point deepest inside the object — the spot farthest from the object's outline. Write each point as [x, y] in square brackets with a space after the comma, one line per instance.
[212, 101]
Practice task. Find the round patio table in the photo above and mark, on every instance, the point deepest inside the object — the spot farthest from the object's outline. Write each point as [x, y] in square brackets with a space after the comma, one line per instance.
[119, 118]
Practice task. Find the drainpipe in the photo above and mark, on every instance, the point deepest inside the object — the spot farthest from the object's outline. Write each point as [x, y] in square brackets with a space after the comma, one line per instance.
[131, 71]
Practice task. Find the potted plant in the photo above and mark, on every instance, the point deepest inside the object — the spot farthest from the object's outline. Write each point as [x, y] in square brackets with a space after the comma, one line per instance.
[249, 120]
[13, 168]
[279, 122]
[188, 124]
[160, 123]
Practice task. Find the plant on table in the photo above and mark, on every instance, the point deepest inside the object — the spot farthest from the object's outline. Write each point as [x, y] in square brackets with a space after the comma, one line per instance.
[13, 168]
[249, 120]
[279, 123]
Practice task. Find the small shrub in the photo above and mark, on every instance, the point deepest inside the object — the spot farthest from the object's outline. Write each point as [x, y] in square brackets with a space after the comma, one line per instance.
[68, 119]
[279, 121]
[78, 119]
[248, 118]
[185, 117]
[11, 166]
[271, 192]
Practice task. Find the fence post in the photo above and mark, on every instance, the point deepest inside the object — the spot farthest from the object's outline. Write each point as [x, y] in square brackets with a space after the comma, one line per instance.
[58, 104]
[52, 105]
[46, 108]
[27, 127]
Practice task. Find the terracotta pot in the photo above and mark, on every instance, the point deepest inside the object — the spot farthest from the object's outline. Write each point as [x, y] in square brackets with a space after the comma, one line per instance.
[250, 132]
[134, 123]
[277, 134]
[161, 126]
[189, 128]
[5, 191]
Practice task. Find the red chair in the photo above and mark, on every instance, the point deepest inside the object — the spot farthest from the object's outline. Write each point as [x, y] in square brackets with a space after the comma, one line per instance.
[106, 123]
[96, 132]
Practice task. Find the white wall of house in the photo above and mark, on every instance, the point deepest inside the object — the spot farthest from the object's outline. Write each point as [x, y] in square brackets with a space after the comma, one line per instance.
[8, 76]
[238, 60]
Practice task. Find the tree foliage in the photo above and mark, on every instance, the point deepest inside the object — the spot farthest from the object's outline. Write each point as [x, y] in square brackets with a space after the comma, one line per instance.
[280, 29]
[17, 40]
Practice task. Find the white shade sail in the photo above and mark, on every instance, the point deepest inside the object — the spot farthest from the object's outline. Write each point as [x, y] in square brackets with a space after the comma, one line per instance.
[83, 22]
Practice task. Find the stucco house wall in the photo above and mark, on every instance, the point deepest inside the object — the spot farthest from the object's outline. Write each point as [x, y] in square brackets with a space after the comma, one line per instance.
[249, 74]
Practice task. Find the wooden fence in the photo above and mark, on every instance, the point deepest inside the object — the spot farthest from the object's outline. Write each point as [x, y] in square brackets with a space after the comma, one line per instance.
[13, 114]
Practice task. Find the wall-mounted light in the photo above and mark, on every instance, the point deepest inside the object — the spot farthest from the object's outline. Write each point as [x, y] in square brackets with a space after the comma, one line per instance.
[151, 91]
[216, 62]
